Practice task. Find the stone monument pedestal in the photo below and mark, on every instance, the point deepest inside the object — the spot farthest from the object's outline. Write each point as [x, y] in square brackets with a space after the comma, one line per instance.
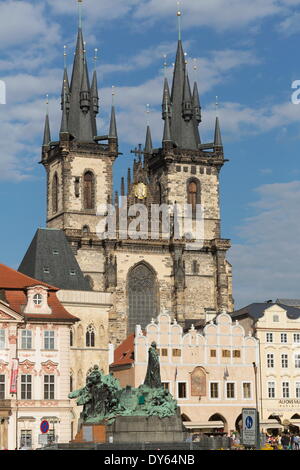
[92, 433]
[138, 429]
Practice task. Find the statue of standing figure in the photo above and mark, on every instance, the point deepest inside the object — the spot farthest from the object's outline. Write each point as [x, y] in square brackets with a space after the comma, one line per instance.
[153, 379]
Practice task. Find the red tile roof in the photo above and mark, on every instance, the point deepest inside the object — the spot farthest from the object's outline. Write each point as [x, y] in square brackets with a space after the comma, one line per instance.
[14, 285]
[11, 279]
[124, 354]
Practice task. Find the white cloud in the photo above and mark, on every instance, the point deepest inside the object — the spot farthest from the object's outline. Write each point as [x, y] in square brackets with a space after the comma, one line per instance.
[21, 22]
[266, 265]
[218, 14]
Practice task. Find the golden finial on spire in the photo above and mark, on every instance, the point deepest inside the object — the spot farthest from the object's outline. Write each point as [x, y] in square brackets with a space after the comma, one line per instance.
[185, 55]
[47, 103]
[113, 93]
[179, 20]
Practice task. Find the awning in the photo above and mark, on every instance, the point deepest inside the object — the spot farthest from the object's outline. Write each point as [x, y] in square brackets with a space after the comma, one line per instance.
[271, 424]
[203, 425]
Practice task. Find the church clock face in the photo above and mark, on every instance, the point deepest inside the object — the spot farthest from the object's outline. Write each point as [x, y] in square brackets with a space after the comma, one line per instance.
[140, 191]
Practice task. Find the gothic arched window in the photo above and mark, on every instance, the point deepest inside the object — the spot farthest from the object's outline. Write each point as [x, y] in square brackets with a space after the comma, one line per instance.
[89, 190]
[90, 337]
[193, 193]
[55, 194]
[142, 296]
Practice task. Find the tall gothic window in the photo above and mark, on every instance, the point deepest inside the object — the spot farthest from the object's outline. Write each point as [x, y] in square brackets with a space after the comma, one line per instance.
[193, 193]
[55, 194]
[90, 337]
[89, 190]
[142, 296]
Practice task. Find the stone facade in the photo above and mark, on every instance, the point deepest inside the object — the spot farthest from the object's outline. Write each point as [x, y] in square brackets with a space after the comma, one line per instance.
[277, 328]
[190, 277]
[89, 343]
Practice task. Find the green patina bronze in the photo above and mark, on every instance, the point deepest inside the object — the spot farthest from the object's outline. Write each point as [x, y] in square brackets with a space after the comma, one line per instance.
[103, 398]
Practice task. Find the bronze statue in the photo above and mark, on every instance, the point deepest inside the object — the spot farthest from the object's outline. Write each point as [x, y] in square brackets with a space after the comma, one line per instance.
[152, 378]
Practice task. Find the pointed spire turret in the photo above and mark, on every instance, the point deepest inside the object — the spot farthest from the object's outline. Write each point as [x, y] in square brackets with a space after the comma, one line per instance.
[166, 104]
[113, 134]
[47, 134]
[167, 139]
[187, 111]
[64, 120]
[95, 94]
[196, 104]
[183, 128]
[81, 118]
[85, 94]
[148, 143]
[218, 138]
[65, 91]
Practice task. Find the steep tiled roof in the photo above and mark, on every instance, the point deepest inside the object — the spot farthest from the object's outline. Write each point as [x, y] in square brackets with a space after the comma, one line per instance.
[13, 287]
[50, 249]
[124, 354]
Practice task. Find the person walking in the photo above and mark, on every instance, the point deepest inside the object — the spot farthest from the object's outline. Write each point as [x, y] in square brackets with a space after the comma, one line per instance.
[285, 441]
[296, 442]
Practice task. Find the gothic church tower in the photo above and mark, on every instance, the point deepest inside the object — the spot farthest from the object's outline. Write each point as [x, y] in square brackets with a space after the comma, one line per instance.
[144, 276]
[79, 165]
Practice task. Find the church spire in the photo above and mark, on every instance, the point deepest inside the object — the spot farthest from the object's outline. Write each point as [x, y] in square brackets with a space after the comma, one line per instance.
[187, 111]
[166, 103]
[167, 139]
[64, 118]
[85, 94]
[218, 138]
[113, 134]
[65, 91]
[81, 118]
[183, 127]
[47, 134]
[196, 104]
[148, 143]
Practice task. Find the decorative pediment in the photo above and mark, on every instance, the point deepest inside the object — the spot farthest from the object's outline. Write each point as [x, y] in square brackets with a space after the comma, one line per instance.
[3, 367]
[27, 367]
[9, 315]
[49, 367]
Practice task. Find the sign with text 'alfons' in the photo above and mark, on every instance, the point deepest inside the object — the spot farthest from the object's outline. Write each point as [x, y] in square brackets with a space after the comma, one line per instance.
[249, 426]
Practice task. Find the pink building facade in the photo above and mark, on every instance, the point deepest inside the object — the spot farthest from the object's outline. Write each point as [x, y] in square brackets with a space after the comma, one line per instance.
[210, 372]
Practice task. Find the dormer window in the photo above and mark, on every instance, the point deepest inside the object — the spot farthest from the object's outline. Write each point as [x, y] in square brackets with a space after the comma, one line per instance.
[37, 299]
[46, 270]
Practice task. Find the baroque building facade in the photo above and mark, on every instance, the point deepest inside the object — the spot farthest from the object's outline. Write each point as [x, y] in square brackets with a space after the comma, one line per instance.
[34, 362]
[143, 275]
[208, 370]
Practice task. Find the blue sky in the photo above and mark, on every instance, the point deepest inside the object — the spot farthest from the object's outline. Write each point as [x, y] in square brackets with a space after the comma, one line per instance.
[246, 53]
